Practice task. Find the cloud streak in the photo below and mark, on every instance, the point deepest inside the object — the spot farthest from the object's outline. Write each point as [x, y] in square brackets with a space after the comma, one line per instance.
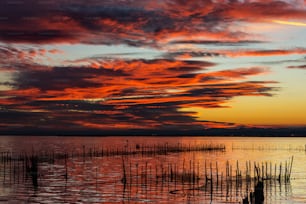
[297, 67]
[290, 23]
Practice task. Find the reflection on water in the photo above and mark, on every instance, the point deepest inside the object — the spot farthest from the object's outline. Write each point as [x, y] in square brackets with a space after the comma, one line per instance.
[151, 169]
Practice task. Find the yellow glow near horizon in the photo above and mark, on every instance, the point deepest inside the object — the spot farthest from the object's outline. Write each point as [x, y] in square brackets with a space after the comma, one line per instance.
[289, 23]
[257, 111]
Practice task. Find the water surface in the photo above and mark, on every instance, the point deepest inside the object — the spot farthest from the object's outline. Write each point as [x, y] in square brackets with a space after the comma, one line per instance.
[99, 179]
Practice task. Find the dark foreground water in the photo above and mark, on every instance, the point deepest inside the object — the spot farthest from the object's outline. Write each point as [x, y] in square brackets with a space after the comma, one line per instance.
[151, 169]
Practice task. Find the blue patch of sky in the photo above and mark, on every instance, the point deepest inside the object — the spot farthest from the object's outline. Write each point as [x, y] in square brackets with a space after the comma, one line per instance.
[83, 51]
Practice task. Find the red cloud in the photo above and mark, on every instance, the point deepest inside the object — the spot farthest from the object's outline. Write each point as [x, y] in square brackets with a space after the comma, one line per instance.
[149, 23]
[129, 94]
[135, 81]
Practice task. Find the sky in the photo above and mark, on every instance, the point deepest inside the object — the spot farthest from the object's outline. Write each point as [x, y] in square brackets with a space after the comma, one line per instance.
[120, 65]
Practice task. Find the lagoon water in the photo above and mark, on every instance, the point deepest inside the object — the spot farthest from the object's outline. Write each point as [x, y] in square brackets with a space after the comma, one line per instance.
[144, 178]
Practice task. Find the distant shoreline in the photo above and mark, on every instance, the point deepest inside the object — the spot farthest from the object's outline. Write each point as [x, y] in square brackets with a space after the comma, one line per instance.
[214, 132]
[149, 136]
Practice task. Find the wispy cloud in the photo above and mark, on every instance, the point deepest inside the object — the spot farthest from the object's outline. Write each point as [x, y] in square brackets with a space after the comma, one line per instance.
[297, 67]
[263, 53]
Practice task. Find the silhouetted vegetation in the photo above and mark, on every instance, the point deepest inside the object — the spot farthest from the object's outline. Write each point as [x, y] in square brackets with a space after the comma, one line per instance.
[188, 176]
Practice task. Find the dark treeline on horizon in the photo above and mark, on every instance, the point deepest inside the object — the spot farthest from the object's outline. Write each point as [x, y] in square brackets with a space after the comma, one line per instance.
[259, 132]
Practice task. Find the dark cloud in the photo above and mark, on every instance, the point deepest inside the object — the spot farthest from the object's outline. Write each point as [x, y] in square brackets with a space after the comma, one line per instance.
[235, 53]
[125, 94]
[60, 78]
[80, 115]
[37, 36]
[297, 67]
[218, 42]
[190, 54]
[148, 23]
[262, 52]
[223, 92]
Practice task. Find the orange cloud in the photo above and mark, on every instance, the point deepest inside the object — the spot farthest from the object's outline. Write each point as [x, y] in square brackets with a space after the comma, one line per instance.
[149, 23]
[55, 51]
[148, 93]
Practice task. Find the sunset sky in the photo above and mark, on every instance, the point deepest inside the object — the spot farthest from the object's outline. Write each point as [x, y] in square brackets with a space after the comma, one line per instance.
[152, 64]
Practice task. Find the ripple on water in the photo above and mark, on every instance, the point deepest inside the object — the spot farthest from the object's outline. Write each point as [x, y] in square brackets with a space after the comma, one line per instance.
[98, 180]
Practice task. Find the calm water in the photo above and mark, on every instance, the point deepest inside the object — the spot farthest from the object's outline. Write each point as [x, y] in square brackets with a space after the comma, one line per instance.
[97, 179]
